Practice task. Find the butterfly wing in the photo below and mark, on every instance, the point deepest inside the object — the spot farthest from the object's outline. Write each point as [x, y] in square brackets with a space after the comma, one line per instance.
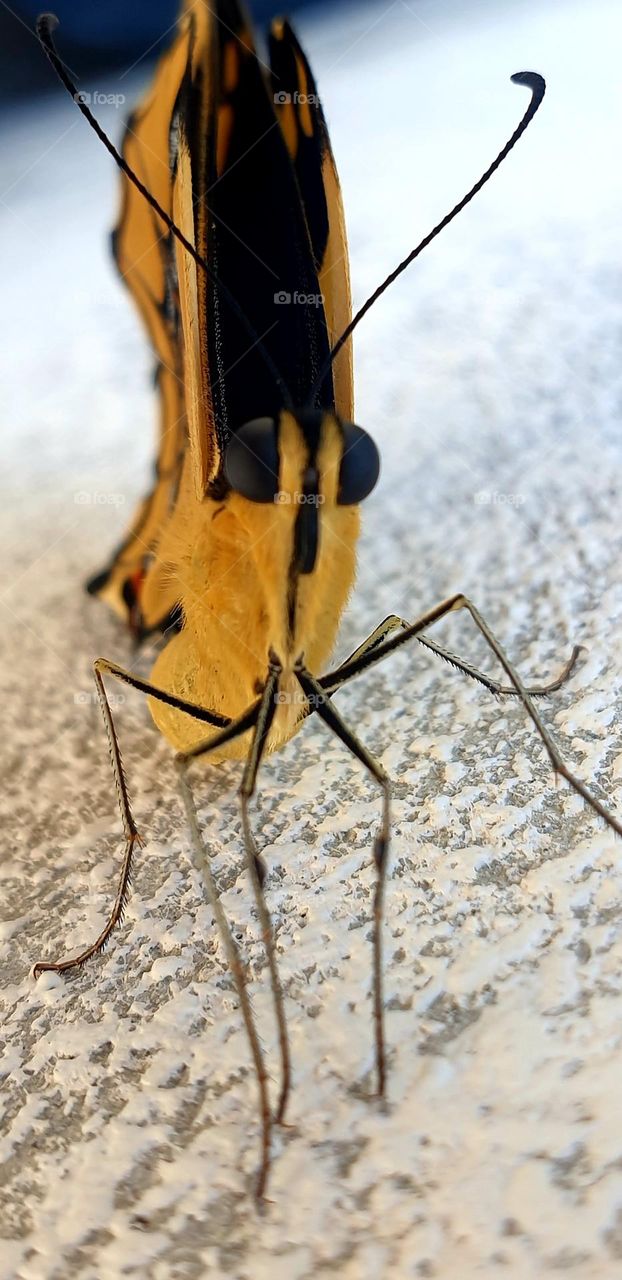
[145, 258]
[302, 121]
[207, 142]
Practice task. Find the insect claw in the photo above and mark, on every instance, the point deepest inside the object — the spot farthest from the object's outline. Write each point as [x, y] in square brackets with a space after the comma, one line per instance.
[279, 1115]
[260, 1200]
[46, 966]
[380, 850]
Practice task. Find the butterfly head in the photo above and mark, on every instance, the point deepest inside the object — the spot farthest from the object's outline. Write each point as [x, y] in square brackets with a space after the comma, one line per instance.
[296, 484]
[305, 460]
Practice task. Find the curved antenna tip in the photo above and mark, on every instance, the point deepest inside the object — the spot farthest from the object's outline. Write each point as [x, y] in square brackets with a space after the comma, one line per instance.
[531, 80]
[47, 22]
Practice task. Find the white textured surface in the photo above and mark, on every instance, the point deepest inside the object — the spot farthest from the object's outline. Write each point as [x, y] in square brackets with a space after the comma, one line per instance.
[129, 1132]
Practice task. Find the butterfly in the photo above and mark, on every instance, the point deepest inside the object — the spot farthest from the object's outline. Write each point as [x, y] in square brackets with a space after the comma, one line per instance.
[232, 243]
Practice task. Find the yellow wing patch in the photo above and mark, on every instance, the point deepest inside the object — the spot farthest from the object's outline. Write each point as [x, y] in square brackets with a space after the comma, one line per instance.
[162, 279]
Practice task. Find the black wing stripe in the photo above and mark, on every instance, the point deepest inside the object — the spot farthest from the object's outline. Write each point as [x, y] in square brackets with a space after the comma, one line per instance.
[302, 120]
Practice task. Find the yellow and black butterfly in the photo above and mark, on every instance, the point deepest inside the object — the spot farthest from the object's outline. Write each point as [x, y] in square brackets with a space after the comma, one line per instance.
[232, 242]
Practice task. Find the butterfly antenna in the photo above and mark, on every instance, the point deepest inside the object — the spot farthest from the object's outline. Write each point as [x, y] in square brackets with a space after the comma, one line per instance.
[536, 84]
[46, 23]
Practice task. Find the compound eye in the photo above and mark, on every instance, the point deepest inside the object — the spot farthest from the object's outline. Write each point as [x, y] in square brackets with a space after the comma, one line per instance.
[360, 466]
[252, 460]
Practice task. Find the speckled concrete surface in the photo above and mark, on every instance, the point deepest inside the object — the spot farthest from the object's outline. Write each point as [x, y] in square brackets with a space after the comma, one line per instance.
[492, 382]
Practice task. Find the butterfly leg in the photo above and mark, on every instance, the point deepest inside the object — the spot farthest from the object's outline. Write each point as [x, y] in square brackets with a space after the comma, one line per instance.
[394, 623]
[361, 661]
[265, 716]
[102, 668]
[228, 730]
[202, 861]
[257, 873]
[331, 717]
